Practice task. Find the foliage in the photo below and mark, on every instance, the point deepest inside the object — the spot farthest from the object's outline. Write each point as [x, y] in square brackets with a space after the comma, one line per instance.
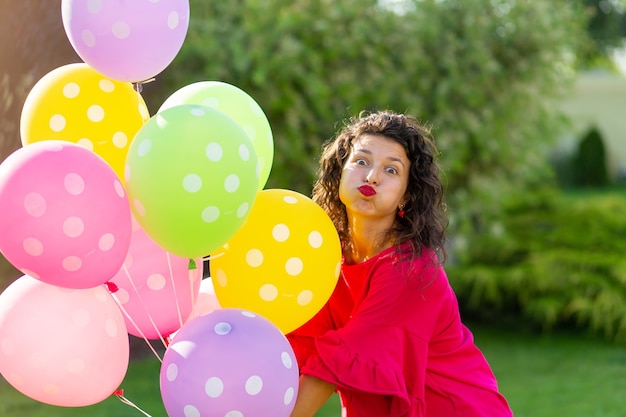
[556, 263]
[481, 73]
[590, 160]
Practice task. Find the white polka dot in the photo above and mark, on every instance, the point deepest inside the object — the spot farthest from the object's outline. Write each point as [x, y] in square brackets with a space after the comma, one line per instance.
[119, 188]
[305, 297]
[120, 140]
[95, 113]
[57, 123]
[120, 30]
[122, 296]
[75, 366]
[94, 6]
[289, 394]
[289, 199]
[192, 183]
[231, 183]
[294, 266]
[214, 152]
[315, 239]
[85, 143]
[197, 111]
[254, 384]
[280, 232]
[214, 387]
[191, 411]
[256, 109]
[242, 210]
[89, 39]
[32, 246]
[222, 328]
[268, 292]
[74, 184]
[254, 258]
[143, 111]
[211, 102]
[234, 413]
[35, 204]
[220, 277]
[71, 90]
[156, 282]
[81, 317]
[210, 214]
[286, 359]
[251, 134]
[106, 242]
[73, 227]
[144, 147]
[171, 373]
[29, 273]
[72, 263]
[139, 208]
[248, 314]
[244, 152]
[106, 85]
[111, 328]
[172, 20]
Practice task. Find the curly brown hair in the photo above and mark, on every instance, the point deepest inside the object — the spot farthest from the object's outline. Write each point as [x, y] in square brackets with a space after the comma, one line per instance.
[424, 222]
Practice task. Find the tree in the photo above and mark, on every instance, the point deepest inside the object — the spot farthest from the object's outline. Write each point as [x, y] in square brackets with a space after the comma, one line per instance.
[482, 73]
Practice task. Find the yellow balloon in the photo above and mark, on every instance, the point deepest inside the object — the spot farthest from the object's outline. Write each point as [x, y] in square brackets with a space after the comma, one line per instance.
[77, 104]
[283, 263]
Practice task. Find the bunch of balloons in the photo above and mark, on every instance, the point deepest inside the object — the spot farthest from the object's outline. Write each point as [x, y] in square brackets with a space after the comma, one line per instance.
[110, 213]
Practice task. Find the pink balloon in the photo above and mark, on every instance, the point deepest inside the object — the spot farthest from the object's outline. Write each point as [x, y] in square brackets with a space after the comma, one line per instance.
[65, 215]
[126, 40]
[155, 289]
[65, 347]
[230, 362]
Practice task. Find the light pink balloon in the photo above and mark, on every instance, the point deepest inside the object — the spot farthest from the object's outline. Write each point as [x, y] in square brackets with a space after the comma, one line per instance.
[131, 40]
[65, 214]
[207, 300]
[60, 346]
[155, 289]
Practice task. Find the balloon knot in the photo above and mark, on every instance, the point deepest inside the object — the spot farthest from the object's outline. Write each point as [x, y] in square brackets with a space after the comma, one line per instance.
[119, 392]
[112, 287]
[192, 265]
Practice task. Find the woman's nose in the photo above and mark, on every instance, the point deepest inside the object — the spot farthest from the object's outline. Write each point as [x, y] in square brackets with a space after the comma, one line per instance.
[372, 176]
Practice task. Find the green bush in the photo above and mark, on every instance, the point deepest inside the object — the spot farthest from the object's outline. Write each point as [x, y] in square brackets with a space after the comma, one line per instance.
[590, 161]
[556, 262]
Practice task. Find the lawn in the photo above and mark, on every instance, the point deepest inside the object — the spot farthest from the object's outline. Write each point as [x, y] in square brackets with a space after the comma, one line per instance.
[541, 375]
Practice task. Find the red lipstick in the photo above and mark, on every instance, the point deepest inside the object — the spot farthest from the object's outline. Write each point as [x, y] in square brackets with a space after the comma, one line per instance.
[367, 190]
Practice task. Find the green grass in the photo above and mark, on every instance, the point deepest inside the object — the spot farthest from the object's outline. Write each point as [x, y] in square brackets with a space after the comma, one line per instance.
[541, 375]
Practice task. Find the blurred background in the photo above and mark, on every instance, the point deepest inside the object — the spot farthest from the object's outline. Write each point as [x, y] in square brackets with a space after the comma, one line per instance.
[526, 100]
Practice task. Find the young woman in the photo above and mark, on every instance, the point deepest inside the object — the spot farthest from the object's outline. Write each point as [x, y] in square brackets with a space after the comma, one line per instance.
[390, 339]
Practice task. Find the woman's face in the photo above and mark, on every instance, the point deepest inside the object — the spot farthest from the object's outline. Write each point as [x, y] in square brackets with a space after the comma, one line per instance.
[374, 178]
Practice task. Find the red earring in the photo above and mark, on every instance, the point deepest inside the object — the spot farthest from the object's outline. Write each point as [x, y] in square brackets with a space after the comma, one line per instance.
[401, 212]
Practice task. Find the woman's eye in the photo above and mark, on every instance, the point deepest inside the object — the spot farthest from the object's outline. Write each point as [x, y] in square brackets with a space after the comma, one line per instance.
[360, 162]
[392, 170]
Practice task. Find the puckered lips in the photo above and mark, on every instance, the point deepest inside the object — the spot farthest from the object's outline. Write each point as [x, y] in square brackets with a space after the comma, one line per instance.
[367, 190]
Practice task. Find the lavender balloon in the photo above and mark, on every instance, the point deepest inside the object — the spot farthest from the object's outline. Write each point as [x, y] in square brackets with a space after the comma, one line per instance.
[126, 40]
[230, 362]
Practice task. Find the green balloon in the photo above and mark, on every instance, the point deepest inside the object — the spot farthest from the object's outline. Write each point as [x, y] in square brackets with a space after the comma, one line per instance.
[191, 178]
[241, 107]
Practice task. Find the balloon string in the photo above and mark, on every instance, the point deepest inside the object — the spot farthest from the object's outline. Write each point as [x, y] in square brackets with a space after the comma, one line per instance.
[120, 395]
[169, 266]
[121, 306]
[154, 326]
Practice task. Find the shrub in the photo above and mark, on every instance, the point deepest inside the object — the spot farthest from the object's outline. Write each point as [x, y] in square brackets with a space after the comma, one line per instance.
[558, 262]
[590, 161]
